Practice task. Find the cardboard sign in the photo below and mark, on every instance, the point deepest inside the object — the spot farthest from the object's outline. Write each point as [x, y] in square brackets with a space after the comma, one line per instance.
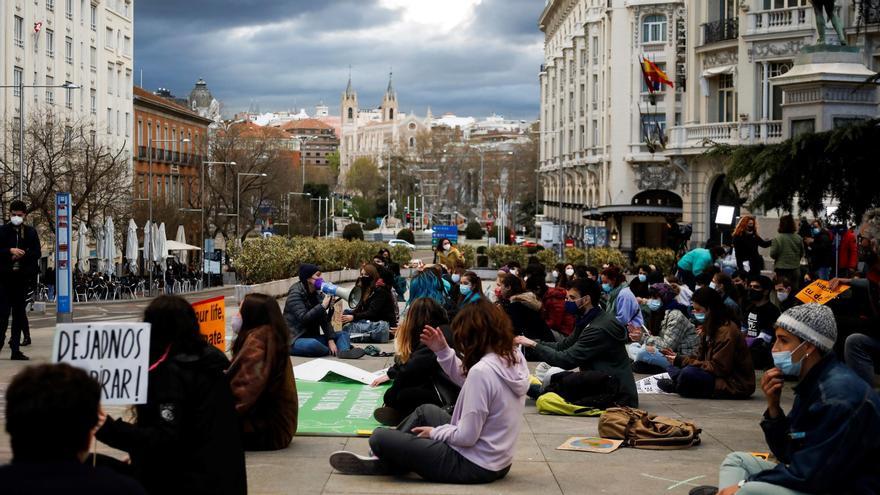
[337, 408]
[318, 370]
[212, 320]
[649, 385]
[819, 292]
[591, 444]
[115, 354]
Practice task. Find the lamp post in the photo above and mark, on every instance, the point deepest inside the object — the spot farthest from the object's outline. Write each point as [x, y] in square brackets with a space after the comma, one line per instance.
[205, 280]
[302, 160]
[289, 194]
[21, 86]
[238, 200]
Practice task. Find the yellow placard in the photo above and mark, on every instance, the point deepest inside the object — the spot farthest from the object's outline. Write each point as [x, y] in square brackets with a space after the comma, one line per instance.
[212, 320]
[820, 292]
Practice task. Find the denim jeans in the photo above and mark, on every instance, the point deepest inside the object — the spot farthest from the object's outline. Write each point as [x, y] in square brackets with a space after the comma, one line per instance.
[317, 346]
[738, 466]
[656, 358]
[862, 354]
[693, 382]
[369, 331]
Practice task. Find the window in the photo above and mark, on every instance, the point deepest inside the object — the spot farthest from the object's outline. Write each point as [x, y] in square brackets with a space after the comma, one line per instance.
[781, 4]
[108, 38]
[110, 79]
[50, 5]
[350, 113]
[68, 50]
[126, 45]
[128, 83]
[93, 101]
[118, 83]
[50, 43]
[82, 12]
[726, 98]
[118, 123]
[126, 7]
[17, 75]
[94, 17]
[68, 95]
[109, 121]
[775, 104]
[68, 135]
[93, 58]
[653, 126]
[50, 92]
[68, 9]
[657, 86]
[654, 29]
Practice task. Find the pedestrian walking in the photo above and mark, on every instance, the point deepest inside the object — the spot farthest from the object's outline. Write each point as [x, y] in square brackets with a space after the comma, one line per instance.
[19, 254]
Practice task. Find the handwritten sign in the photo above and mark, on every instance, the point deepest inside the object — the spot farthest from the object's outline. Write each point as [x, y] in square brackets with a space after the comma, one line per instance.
[820, 292]
[212, 321]
[591, 444]
[114, 354]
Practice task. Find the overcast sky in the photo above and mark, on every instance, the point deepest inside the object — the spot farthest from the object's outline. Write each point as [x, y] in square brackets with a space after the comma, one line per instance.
[469, 57]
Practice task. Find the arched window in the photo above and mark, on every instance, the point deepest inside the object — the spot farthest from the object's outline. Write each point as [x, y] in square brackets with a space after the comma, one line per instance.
[412, 142]
[350, 113]
[390, 114]
[654, 28]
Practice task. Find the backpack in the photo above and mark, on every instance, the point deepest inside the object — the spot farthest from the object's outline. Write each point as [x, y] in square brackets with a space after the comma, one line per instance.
[553, 403]
[642, 430]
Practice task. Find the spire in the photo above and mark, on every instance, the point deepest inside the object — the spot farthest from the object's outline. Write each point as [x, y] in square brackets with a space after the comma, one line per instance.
[390, 90]
[349, 92]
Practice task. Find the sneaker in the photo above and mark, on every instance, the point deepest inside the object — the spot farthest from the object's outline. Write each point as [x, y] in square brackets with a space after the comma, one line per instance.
[666, 385]
[351, 463]
[18, 356]
[387, 416]
[703, 490]
[353, 353]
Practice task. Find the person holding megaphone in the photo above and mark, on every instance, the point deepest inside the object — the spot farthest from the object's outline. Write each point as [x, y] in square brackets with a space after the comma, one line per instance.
[309, 318]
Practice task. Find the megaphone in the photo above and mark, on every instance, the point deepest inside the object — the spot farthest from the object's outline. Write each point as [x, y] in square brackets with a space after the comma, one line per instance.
[353, 295]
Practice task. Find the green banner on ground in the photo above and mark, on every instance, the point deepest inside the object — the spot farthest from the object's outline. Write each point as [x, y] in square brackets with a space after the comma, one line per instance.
[337, 408]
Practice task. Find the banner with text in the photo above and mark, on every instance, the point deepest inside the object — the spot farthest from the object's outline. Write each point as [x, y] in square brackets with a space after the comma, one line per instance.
[212, 320]
[820, 292]
[114, 354]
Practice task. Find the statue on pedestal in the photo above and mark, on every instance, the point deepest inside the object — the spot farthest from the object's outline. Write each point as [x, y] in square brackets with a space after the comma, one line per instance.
[821, 8]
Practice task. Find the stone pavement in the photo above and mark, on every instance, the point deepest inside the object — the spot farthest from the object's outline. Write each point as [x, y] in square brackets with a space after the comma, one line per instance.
[538, 467]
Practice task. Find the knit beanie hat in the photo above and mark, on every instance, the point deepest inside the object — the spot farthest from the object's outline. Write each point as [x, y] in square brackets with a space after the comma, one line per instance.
[813, 323]
[306, 271]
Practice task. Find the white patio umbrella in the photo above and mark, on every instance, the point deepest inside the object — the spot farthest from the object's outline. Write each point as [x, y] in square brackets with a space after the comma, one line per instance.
[131, 246]
[182, 255]
[148, 247]
[162, 248]
[109, 252]
[99, 249]
[82, 247]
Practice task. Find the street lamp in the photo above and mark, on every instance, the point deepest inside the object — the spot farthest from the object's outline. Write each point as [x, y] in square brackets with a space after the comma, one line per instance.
[68, 86]
[302, 161]
[238, 200]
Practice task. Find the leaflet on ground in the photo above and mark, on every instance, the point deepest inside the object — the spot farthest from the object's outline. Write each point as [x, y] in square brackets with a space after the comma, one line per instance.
[318, 370]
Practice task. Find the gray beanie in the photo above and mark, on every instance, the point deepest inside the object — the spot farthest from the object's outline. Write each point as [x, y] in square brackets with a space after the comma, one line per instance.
[813, 323]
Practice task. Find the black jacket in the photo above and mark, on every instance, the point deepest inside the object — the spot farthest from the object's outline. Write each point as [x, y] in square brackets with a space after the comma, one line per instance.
[746, 246]
[186, 438]
[23, 237]
[70, 478]
[378, 307]
[524, 311]
[821, 251]
[305, 315]
[422, 370]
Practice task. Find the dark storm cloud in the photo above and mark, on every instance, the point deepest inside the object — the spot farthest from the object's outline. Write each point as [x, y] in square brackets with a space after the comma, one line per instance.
[282, 54]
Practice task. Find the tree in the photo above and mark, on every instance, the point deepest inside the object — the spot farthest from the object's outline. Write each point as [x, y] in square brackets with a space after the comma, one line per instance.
[363, 176]
[407, 235]
[333, 161]
[473, 231]
[353, 231]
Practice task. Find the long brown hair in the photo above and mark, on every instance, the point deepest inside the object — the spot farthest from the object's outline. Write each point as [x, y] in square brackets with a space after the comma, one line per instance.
[743, 224]
[423, 311]
[373, 272]
[481, 328]
[259, 310]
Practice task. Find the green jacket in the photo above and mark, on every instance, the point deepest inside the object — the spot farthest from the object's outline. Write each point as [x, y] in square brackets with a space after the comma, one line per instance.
[599, 345]
[787, 251]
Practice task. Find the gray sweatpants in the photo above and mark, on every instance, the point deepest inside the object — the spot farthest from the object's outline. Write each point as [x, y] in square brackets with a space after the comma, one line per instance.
[738, 466]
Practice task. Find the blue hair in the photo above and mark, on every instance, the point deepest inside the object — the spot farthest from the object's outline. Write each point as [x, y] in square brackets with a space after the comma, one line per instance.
[425, 284]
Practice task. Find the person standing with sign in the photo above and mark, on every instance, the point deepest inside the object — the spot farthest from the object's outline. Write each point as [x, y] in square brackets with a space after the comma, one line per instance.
[19, 253]
[186, 438]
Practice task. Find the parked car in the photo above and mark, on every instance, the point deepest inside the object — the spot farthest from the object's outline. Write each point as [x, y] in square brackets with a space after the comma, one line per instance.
[529, 244]
[520, 239]
[401, 242]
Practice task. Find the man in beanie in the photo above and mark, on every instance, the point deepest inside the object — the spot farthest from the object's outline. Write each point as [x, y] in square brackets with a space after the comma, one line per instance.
[830, 441]
[308, 318]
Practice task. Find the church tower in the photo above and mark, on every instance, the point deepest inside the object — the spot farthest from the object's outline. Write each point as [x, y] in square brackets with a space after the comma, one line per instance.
[349, 104]
[389, 102]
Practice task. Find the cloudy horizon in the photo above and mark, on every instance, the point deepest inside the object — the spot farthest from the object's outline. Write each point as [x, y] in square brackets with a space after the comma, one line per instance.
[468, 57]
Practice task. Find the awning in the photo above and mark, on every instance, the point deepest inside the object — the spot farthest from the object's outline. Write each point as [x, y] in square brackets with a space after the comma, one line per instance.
[179, 246]
[605, 212]
[722, 69]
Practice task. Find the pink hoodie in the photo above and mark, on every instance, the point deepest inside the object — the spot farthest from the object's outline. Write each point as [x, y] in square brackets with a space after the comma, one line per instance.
[488, 414]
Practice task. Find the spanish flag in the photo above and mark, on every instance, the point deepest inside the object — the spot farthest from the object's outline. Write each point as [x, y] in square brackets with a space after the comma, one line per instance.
[654, 77]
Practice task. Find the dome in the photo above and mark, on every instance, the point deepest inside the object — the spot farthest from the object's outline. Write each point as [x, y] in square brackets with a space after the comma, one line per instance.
[200, 96]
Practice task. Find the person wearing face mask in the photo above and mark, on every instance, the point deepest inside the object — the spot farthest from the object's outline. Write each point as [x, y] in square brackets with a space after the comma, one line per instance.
[830, 440]
[448, 255]
[820, 251]
[639, 284]
[375, 313]
[671, 330]
[621, 301]
[523, 308]
[308, 318]
[724, 285]
[19, 254]
[761, 315]
[470, 289]
[598, 344]
[746, 242]
[784, 295]
[787, 249]
[552, 302]
[722, 367]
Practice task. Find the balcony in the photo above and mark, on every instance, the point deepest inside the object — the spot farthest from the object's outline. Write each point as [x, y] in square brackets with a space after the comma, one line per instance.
[702, 136]
[779, 20]
[721, 30]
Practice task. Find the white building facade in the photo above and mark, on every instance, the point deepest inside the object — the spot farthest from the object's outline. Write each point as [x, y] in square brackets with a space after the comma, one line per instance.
[87, 43]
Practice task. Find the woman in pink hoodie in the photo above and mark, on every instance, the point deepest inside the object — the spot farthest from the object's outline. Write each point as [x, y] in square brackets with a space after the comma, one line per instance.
[476, 443]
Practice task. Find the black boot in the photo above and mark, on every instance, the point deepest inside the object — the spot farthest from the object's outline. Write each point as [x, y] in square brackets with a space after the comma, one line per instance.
[19, 356]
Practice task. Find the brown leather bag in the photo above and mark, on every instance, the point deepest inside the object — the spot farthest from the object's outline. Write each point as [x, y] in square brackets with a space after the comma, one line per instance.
[639, 429]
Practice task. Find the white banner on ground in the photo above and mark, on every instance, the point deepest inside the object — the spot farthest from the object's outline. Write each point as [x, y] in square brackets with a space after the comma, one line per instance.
[317, 369]
[649, 385]
[114, 354]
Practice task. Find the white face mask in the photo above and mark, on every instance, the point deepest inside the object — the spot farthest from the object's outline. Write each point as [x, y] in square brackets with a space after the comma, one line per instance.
[555, 274]
[16, 220]
[569, 272]
[782, 296]
[447, 247]
[514, 272]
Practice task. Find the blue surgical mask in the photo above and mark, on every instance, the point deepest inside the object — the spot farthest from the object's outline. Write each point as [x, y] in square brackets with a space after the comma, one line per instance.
[700, 317]
[571, 307]
[606, 288]
[782, 360]
[456, 278]
[712, 285]
[643, 277]
[654, 304]
[465, 290]
[816, 230]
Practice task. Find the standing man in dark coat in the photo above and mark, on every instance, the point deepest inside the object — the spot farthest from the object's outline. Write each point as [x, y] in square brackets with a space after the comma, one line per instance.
[19, 254]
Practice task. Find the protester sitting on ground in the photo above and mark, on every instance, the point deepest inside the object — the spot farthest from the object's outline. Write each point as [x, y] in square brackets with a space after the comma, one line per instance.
[186, 438]
[417, 377]
[746, 242]
[447, 255]
[759, 320]
[724, 285]
[470, 289]
[639, 284]
[476, 444]
[741, 288]
[261, 376]
[591, 272]
[309, 319]
[371, 320]
[51, 414]
[784, 296]
[598, 343]
[722, 367]
[684, 292]
[552, 302]
[394, 268]
[830, 441]
[524, 309]
[695, 262]
[671, 329]
[621, 301]
[561, 276]
[787, 250]
[424, 284]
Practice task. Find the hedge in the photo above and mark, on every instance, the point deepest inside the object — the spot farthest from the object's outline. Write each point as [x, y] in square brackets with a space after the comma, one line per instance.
[662, 258]
[499, 255]
[604, 255]
[548, 258]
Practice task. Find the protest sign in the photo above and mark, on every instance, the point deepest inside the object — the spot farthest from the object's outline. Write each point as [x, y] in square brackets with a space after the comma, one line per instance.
[591, 444]
[649, 385]
[323, 370]
[820, 292]
[114, 354]
[211, 314]
[337, 408]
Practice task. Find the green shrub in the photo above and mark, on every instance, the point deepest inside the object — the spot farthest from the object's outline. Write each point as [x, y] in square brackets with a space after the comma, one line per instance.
[602, 255]
[662, 258]
[575, 256]
[548, 258]
[469, 253]
[499, 255]
[481, 249]
[407, 235]
[473, 231]
[371, 224]
[401, 255]
[353, 231]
